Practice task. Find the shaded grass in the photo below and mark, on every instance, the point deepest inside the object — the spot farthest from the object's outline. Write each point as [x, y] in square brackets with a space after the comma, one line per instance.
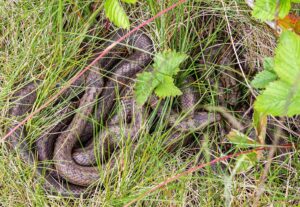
[43, 40]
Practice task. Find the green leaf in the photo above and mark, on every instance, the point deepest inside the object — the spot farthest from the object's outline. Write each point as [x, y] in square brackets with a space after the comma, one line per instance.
[282, 97]
[263, 78]
[264, 9]
[167, 88]
[245, 162]
[284, 8]
[116, 14]
[130, 1]
[167, 63]
[267, 9]
[144, 87]
[279, 99]
[241, 140]
[269, 64]
[287, 57]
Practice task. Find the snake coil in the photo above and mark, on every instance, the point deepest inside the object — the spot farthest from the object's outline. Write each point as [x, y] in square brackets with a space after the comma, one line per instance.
[73, 170]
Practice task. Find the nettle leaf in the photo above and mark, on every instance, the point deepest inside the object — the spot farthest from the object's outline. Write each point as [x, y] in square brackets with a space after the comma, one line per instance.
[116, 14]
[160, 80]
[167, 63]
[167, 88]
[267, 9]
[264, 10]
[282, 97]
[144, 86]
[263, 78]
[287, 57]
[269, 64]
[279, 99]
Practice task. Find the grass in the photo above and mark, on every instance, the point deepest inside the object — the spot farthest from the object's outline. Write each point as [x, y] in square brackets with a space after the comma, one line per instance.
[44, 39]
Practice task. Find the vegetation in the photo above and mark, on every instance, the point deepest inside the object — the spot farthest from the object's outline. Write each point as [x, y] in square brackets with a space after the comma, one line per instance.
[216, 42]
[165, 66]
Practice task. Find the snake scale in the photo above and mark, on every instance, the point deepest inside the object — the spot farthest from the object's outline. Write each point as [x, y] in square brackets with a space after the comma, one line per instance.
[71, 168]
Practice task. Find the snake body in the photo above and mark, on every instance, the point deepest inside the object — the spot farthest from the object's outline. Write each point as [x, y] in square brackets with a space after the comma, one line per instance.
[72, 170]
[65, 165]
[18, 140]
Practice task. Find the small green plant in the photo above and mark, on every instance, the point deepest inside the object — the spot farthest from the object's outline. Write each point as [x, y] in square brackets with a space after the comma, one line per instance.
[115, 12]
[263, 78]
[160, 79]
[279, 82]
[280, 79]
[242, 141]
[270, 9]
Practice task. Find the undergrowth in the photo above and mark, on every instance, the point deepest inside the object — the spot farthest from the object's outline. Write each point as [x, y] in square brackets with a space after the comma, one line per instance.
[52, 40]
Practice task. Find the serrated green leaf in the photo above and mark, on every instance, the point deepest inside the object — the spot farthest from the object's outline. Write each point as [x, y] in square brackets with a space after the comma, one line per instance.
[269, 64]
[129, 1]
[287, 57]
[245, 162]
[279, 99]
[263, 78]
[116, 14]
[240, 140]
[167, 63]
[144, 87]
[167, 88]
[267, 9]
[264, 10]
[282, 97]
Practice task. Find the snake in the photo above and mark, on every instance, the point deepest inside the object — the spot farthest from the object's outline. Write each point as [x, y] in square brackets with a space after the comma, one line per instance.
[71, 167]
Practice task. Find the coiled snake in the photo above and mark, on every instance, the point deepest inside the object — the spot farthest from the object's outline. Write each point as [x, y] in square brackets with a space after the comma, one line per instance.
[73, 169]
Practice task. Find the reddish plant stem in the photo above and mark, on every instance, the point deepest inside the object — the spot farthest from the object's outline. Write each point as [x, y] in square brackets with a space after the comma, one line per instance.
[198, 167]
[72, 80]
